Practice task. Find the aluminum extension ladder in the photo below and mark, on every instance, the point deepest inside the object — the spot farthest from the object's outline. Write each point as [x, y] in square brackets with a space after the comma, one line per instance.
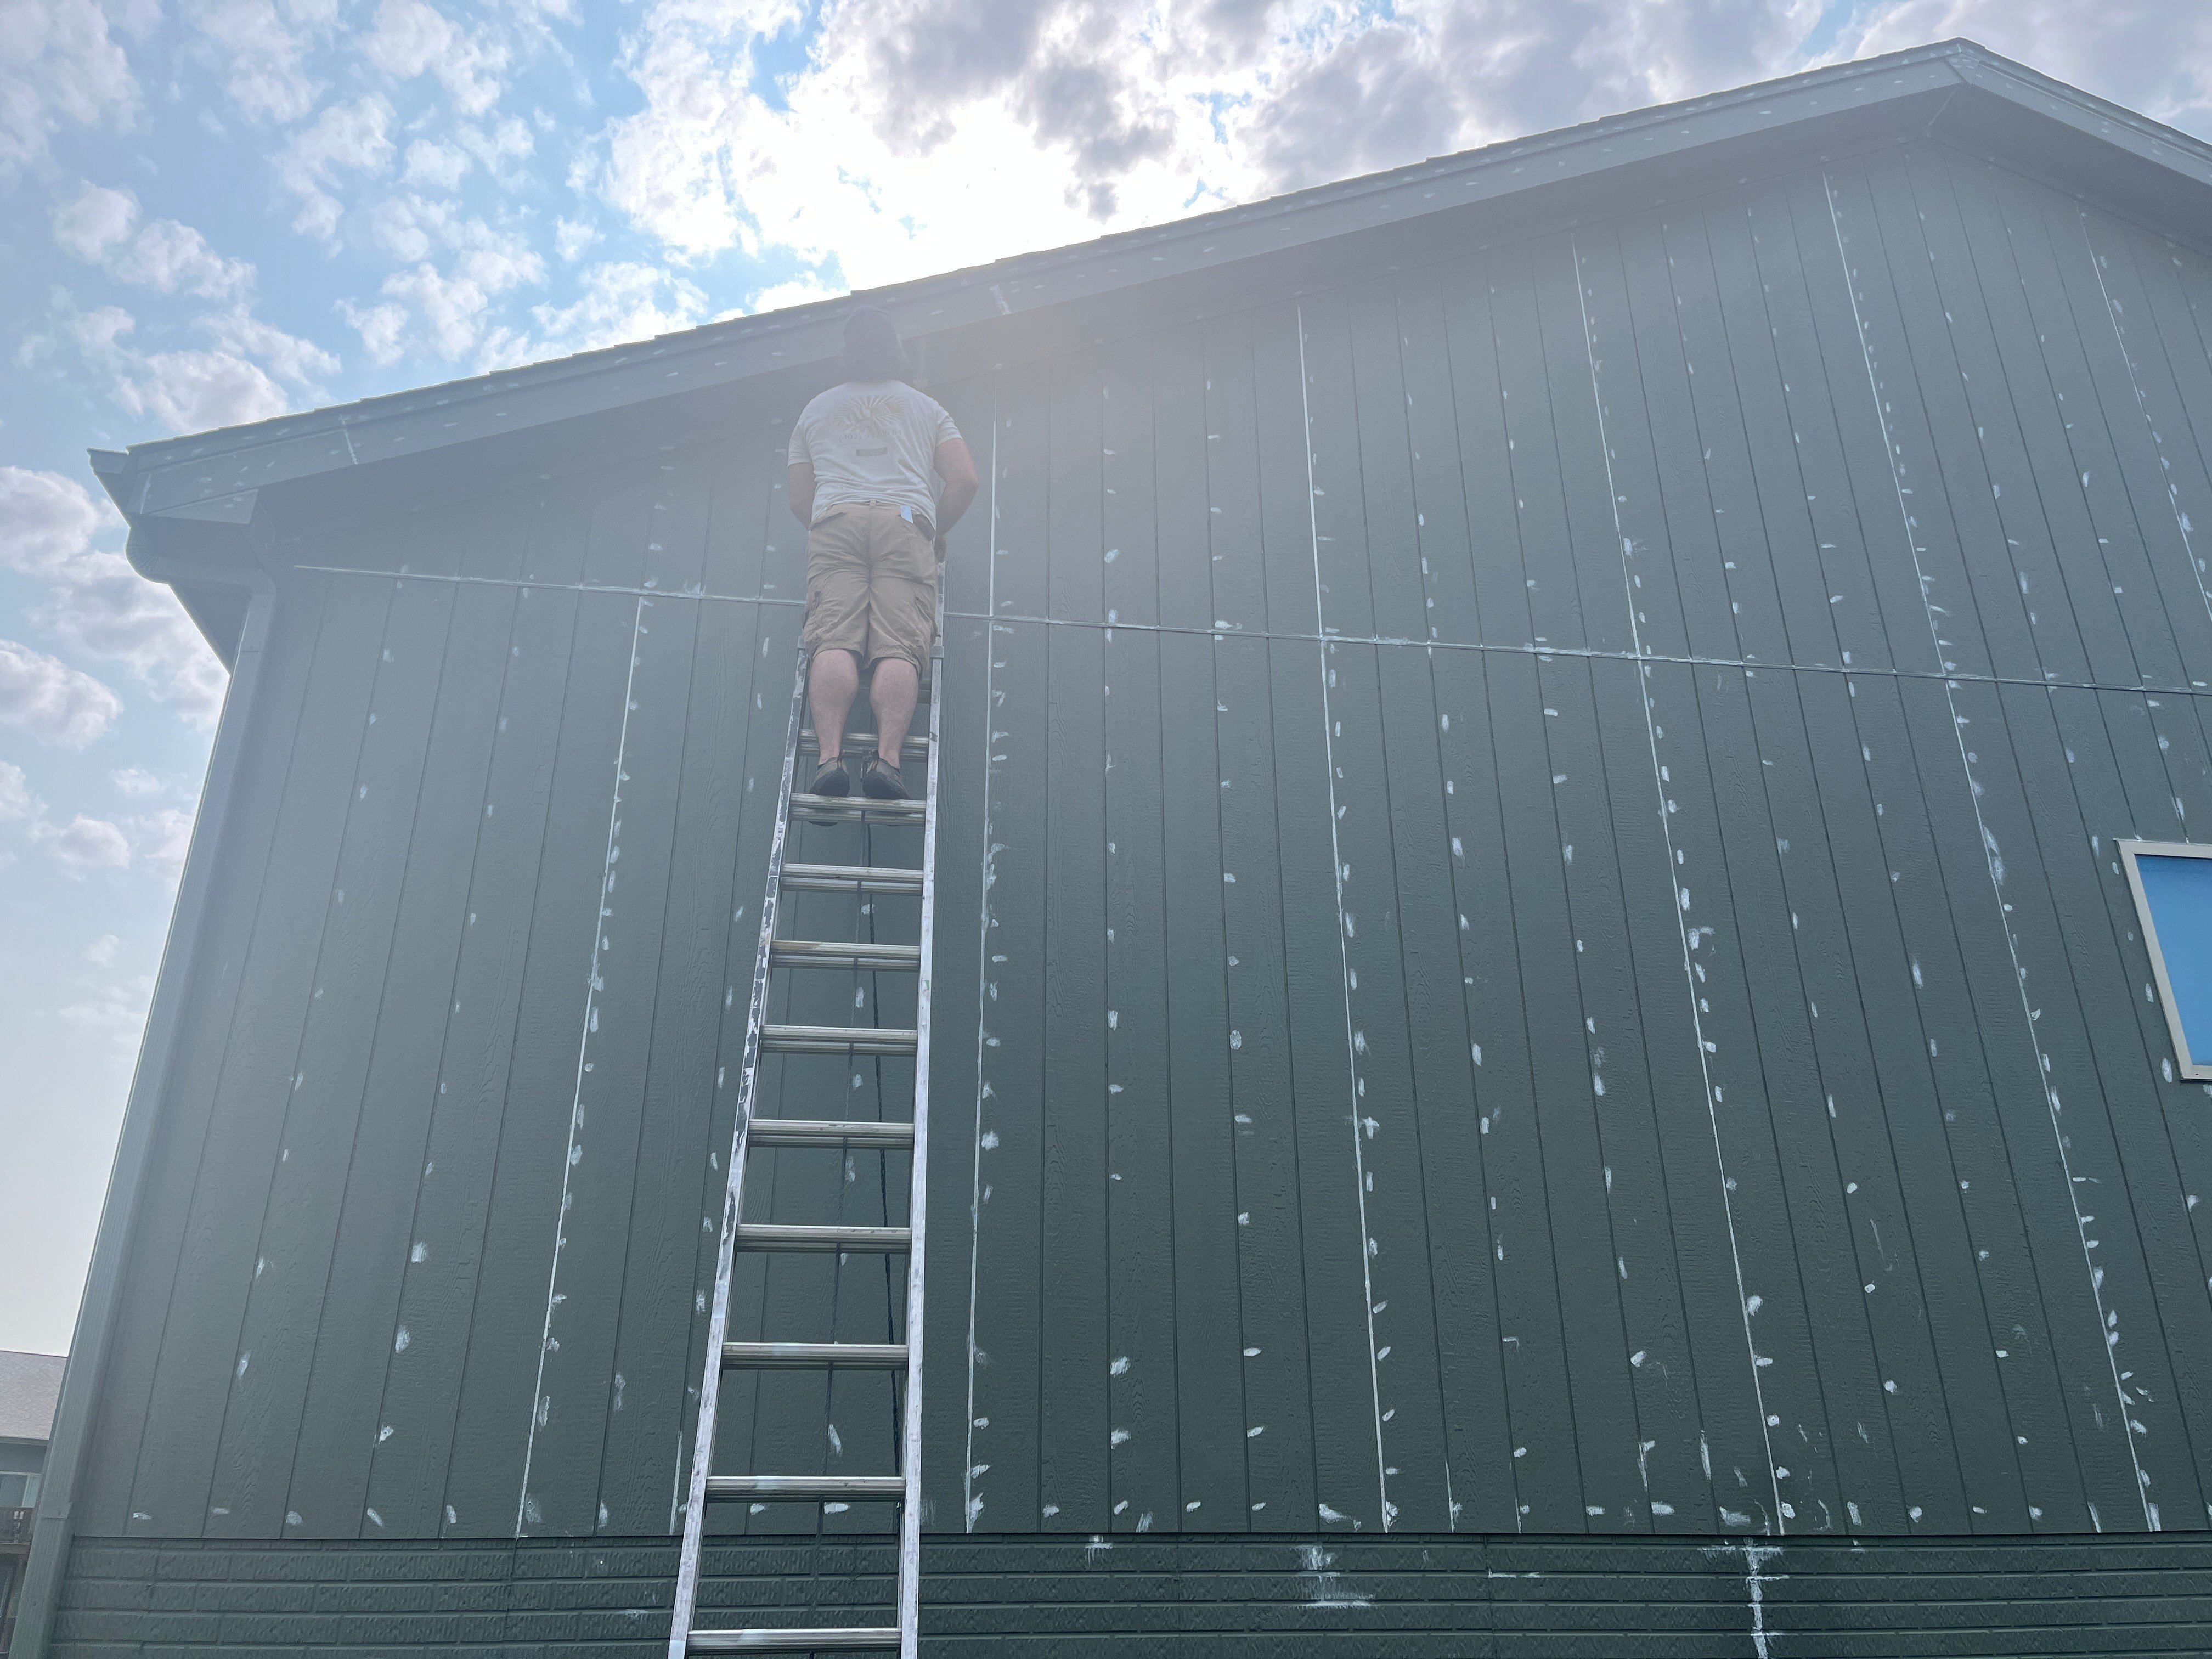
[777, 956]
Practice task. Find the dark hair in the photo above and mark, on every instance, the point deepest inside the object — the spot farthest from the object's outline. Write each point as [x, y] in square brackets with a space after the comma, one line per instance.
[872, 351]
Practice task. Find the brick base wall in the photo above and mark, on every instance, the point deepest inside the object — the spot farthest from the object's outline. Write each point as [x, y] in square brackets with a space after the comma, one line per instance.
[1346, 1597]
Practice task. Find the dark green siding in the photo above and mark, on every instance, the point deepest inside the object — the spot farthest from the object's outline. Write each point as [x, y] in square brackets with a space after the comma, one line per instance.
[1528, 942]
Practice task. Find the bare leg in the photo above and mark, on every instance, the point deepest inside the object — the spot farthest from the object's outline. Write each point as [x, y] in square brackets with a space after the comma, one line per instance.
[831, 684]
[894, 690]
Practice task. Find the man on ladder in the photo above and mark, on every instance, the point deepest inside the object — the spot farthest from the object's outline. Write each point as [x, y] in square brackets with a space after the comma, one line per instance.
[862, 455]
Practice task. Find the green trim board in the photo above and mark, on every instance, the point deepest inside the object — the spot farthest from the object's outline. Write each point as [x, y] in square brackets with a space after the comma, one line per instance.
[2171, 883]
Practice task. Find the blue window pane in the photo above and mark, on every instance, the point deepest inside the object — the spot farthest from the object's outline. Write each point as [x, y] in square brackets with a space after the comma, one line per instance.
[2179, 893]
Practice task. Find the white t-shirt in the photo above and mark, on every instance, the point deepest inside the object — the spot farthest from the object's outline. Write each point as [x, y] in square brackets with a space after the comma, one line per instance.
[872, 440]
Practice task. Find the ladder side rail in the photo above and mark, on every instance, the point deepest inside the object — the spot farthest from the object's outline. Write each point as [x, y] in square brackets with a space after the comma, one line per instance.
[702, 1442]
[909, 1569]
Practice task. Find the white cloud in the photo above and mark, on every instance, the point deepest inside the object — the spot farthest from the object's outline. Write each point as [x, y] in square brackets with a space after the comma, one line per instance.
[444, 314]
[798, 291]
[161, 839]
[51, 700]
[261, 49]
[352, 138]
[100, 953]
[440, 166]
[58, 63]
[410, 37]
[572, 237]
[191, 390]
[97, 605]
[137, 781]
[96, 225]
[16, 800]
[113, 1015]
[621, 301]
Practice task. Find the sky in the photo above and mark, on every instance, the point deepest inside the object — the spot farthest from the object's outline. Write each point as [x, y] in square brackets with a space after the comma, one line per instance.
[214, 212]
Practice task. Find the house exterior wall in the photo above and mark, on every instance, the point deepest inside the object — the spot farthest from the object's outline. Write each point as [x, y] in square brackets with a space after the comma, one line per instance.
[1529, 945]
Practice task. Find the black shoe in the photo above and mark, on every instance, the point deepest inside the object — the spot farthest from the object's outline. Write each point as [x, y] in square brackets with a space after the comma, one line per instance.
[833, 779]
[880, 780]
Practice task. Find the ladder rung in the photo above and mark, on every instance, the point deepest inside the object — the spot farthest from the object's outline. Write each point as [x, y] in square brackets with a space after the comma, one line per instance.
[775, 1236]
[836, 953]
[860, 743]
[813, 1488]
[806, 1356]
[849, 877]
[837, 1040]
[828, 1132]
[856, 806]
[846, 1639]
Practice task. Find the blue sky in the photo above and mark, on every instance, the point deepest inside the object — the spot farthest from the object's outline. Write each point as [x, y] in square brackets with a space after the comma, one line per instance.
[217, 210]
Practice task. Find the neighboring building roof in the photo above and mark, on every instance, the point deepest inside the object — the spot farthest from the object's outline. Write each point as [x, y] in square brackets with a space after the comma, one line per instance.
[1956, 90]
[30, 1387]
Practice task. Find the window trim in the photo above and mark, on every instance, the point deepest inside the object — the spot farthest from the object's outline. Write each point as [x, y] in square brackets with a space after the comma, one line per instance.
[2190, 1068]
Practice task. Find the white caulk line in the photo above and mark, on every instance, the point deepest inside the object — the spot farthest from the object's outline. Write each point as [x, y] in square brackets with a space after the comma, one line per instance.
[2105, 1326]
[1681, 920]
[982, 978]
[1343, 952]
[1531, 649]
[2119, 339]
[583, 1045]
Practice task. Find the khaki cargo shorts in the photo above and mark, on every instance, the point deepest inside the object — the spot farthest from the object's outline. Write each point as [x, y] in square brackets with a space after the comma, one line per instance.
[871, 584]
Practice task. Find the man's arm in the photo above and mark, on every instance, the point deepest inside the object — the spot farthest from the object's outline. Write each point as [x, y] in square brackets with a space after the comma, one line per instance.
[958, 468]
[798, 491]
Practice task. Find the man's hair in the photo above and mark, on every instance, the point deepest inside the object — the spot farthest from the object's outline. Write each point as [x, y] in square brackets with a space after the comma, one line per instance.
[872, 351]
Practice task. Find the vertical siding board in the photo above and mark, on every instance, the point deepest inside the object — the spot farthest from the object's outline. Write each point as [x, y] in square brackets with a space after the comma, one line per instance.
[2008, 1062]
[188, 1094]
[1282, 458]
[581, 1373]
[728, 508]
[1580, 449]
[1787, 544]
[1729, 1430]
[2072, 619]
[340, 1425]
[2170, 353]
[1238, 515]
[1011, 1225]
[244, 1148]
[1442, 531]
[1141, 1426]
[953, 1083]
[1599, 1423]
[1382, 709]
[2112, 620]
[499, 1401]
[328, 1107]
[2167, 460]
[1691, 538]
[1809, 394]
[1346, 581]
[1533, 454]
[423, 1380]
[1631, 1192]
[1072, 1360]
[2114, 385]
[1728, 958]
[2163, 652]
[1648, 586]
[1346, 1468]
[1210, 1415]
[1497, 568]
[2059, 795]
[1720, 426]
[1143, 1433]
[1270, 1238]
[1832, 264]
[1963, 1458]
[1952, 443]
[1853, 1370]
